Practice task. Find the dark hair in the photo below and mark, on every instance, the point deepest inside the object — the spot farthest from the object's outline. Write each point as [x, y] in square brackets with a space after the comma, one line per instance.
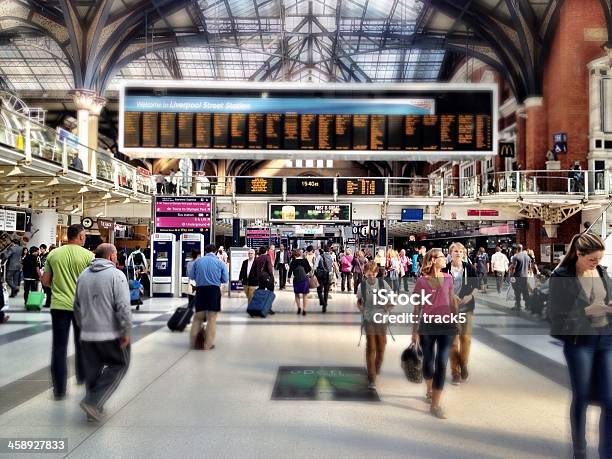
[33, 249]
[210, 248]
[74, 231]
[262, 250]
[195, 254]
[310, 248]
[585, 243]
[43, 246]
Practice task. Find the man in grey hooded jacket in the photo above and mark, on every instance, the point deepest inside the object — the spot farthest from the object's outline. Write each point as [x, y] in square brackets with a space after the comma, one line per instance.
[103, 312]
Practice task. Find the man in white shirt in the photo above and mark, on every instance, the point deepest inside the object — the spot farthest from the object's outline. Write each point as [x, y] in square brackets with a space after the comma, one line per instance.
[499, 263]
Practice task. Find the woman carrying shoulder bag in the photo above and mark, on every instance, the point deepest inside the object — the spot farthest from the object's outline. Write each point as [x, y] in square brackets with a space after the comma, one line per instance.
[435, 336]
[581, 317]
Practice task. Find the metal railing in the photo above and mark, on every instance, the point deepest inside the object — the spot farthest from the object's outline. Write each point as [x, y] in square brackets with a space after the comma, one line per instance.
[36, 141]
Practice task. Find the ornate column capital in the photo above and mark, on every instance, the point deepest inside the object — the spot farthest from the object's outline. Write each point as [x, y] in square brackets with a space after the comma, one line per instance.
[607, 47]
[85, 99]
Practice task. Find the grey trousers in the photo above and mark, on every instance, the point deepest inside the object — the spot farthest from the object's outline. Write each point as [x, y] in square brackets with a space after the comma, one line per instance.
[105, 365]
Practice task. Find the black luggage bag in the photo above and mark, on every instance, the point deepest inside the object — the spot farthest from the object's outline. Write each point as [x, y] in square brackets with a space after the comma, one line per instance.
[180, 319]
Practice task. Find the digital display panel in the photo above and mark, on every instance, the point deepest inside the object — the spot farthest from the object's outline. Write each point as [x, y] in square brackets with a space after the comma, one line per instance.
[361, 187]
[167, 137]
[259, 185]
[150, 129]
[309, 213]
[445, 118]
[256, 129]
[310, 185]
[412, 215]
[238, 130]
[291, 139]
[185, 130]
[182, 214]
[220, 130]
[132, 129]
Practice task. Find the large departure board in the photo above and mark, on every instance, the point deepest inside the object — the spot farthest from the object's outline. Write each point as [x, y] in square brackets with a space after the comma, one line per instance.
[185, 130]
[291, 140]
[132, 129]
[259, 185]
[388, 120]
[167, 136]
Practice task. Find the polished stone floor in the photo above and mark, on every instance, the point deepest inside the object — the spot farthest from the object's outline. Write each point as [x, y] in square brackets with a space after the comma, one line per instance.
[176, 402]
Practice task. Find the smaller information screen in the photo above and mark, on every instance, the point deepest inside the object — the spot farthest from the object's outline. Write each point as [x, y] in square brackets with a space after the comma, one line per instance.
[310, 185]
[361, 187]
[259, 185]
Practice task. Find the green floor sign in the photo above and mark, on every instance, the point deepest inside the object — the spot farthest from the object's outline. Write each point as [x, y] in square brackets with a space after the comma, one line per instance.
[323, 383]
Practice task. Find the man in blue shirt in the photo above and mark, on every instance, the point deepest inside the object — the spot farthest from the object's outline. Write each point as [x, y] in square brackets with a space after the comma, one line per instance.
[209, 273]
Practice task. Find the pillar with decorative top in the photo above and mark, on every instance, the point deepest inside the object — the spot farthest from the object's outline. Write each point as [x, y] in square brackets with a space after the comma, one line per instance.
[88, 105]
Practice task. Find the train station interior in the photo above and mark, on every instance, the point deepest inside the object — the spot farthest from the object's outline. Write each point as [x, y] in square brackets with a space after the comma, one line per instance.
[176, 174]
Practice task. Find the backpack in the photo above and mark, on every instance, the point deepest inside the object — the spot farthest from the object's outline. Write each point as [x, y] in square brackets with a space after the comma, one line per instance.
[322, 272]
[381, 285]
[138, 259]
[299, 274]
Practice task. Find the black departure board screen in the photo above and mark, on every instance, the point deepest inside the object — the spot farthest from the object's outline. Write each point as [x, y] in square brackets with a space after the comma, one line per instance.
[203, 123]
[291, 139]
[308, 132]
[221, 130]
[310, 185]
[343, 132]
[361, 187]
[259, 185]
[395, 132]
[238, 130]
[326, 119]
[132, 129]
[377, 132]
[185, 130]
[256, 130]
[274, 130]
[412, 132]
[361, 126]
[167, 133]
[325, 132]
[150, 129]
[430, 132]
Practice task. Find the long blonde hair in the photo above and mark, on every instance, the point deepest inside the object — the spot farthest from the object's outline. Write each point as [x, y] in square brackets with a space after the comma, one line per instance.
[429, 260]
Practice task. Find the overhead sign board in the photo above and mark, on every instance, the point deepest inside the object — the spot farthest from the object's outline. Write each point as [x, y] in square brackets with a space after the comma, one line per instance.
[309, 213]
[296, 121]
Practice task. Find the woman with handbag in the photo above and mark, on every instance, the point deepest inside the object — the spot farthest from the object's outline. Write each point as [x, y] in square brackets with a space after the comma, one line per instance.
[581, 317]
[359, 262]
[300, 268]
[430, 331]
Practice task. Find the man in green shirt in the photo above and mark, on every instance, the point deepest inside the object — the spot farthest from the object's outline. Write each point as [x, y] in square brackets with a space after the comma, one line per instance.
[62, 268]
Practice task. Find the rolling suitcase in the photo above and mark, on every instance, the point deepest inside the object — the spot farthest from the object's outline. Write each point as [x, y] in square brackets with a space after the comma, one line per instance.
[261, 303]
[35, 301]
[135, 293]
[180, 319]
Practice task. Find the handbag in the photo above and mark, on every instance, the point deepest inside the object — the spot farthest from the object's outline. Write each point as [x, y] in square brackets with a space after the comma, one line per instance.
[312, 281]
[412, 363]
[200, 340]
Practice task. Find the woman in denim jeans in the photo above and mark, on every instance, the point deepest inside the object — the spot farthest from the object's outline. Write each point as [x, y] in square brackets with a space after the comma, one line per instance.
[442, 304]
[581, 317]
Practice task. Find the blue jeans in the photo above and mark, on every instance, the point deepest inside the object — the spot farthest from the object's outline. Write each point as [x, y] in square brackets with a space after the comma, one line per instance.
[435, 360]
[588, 361]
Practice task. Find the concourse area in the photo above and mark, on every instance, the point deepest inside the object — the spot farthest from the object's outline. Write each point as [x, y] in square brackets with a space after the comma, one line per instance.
[306, 229]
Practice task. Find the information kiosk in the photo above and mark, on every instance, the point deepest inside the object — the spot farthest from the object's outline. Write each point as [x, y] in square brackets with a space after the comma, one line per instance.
[189, 242]
[163, 262]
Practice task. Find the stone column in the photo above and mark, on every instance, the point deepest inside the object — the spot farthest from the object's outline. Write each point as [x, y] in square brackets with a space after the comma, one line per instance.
[88, 105]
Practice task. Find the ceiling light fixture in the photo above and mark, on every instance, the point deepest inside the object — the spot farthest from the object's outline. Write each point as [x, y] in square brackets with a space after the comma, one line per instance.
[99, 214]
[107, 196]
[75, 210]
[54, 181]
[127, 201]
[84, 189]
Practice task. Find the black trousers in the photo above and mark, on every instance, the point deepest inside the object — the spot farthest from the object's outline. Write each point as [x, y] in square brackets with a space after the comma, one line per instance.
[60, 325]
[520, 288]
[47, 291]
[282, 276]
[323, 291]
[106, 363]
[29, 285]
[346, 281]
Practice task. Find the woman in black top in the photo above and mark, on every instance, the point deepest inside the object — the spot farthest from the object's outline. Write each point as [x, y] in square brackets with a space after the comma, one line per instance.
[299, 268]
[581, 316]
[31, 272]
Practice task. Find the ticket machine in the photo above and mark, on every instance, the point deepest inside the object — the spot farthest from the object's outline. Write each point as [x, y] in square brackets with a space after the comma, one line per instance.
[163, 264]
[189, 242]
